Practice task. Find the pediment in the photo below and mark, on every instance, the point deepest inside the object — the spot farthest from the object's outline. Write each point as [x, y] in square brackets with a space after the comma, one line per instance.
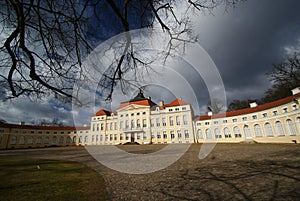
[132, 107]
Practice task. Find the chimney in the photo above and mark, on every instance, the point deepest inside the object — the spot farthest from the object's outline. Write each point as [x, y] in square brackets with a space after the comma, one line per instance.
[161, 103]
[209, 113]
[22, 123]
[149, 97]
[252, 105]
[296, 90]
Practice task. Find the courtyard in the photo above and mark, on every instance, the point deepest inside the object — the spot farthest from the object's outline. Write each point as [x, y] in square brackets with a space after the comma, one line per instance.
[229, 172]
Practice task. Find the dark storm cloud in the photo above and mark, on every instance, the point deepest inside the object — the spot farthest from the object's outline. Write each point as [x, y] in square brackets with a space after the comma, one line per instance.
[246, 41]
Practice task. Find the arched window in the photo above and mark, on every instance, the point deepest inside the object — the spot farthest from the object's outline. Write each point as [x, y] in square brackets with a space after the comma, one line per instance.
[86, 139]
[30, 140]
[298, 124]
[268, 130]
[247, 132]
[208, 134]
[61, 140]
[138, 123]
[227, 132]
[237, 131]
[218, 133]
[54, 140]
[80, 139]
[199, 134]
[22, 140]
[291, 127]
[13, 140]
[46, 140]
[68, 140]
[257, 130]
[279, 129]
[39, 140]
[132, 123]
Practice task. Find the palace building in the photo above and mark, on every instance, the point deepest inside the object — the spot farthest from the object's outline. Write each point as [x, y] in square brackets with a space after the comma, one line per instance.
[142, 121]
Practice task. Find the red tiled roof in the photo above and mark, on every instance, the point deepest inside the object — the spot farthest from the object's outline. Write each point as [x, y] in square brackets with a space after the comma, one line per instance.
[103, 112]
[176, 102]
[250, 110]
[145, 102]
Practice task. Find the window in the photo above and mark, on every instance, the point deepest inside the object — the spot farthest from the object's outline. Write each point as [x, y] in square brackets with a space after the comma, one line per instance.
[121, 136]
[68, 141]
[171, 121]
[208, 134]
[30, 140]
[172, 134]
[132, 123]
[110, 137]
[185, 120]
[126, 124]
[157, 122]
[144, 112]
[216, 122]
[54, 140]
[279, 129]
[257, 130]
[22, 140]
[39, 140]
[144, 136]
[291, 127]
[93, 138]
[40, 132]
[106, 137]
[102, 127]
[244, 118]
[152, 135]
[158, 135]
[13, 140]
[186, 134]
[165, 135]
[121, 125]
[127, 136]
[198, 124]
[144, 123]
[115, 126]
[227, 131]
[275, 113]
[138, 136]
[152, 122]
[224, 121]
[234, 120]
[217, 133]
[163, 120]
[183, 108]
[207, 123]
[74, 139]
[294, 107]
[268, 129]
[138, 123]
[115, 137]
[285, 110]
[246, 131]
[236, 131]
[170, 110]
[265, 115]
[254, 117]
[62, 132]
[176, 109]
[61, 140]
[46, 140]
[199, 134]
[101, 138]
[179, 134]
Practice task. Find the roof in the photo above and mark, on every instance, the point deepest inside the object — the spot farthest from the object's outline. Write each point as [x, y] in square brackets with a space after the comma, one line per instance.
[33, 127]
[250, 110]
[145, 102]
[176, 102]
[103, 112]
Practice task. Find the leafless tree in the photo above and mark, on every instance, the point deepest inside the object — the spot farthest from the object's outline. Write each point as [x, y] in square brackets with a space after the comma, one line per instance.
[43, 42]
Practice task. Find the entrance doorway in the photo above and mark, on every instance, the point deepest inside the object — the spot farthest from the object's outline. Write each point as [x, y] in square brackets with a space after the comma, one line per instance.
[132, 137]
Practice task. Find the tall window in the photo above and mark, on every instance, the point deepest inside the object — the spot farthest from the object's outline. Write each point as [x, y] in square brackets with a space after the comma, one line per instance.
[246, 131]
[144, 135]
[132, 123]
[22, 140]
[144, 123]
[208, 134]
[138, 123]
[171, 121]
[157, 122]
[61, 140]
[217, 133]
[30, 140]
[152, 122]
[121, 125]
[279, 128]
[46, 140]
[74, 139]
[268, 129]
[257, 130]
[165, 135]
[163, 121]
[186, 134]
[199, 134]
[179, 134]
[13, 140]
[172, 134]
[177, 120]
[158, 135]
[39, 140]
[102, 127]
[185, 120]
[54, 140]
[121, 136]
[127, 124]
[291, 127]
[86, 139]
[298, 124]
[236, 131]
[227, 131]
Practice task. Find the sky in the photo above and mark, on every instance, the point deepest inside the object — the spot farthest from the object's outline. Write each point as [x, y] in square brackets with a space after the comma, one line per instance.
[243, 42]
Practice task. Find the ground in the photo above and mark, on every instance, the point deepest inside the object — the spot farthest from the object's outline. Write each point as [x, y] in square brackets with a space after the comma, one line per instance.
[229, 172]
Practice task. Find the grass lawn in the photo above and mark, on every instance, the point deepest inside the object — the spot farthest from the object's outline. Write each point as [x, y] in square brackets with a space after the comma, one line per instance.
[20, 179]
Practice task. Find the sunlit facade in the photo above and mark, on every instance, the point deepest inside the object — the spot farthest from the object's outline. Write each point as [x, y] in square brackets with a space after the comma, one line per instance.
[142, 121]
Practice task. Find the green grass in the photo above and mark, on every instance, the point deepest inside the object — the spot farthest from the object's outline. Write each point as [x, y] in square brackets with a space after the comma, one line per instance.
[20, 179]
